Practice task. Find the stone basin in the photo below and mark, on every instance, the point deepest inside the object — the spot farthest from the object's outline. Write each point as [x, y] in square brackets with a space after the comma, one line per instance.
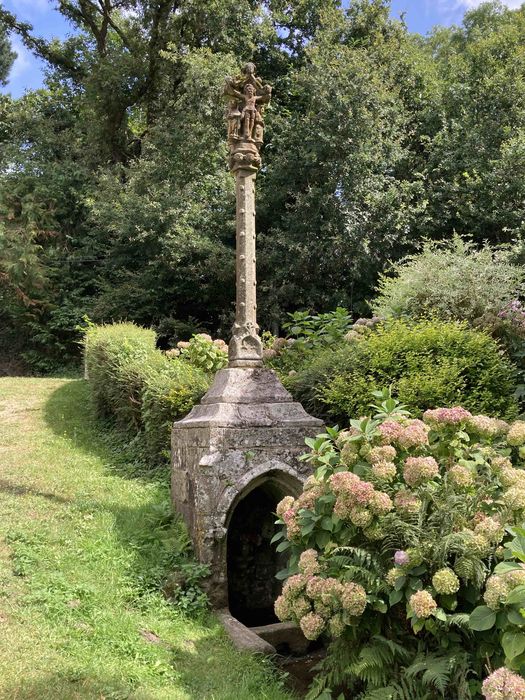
[284, 641]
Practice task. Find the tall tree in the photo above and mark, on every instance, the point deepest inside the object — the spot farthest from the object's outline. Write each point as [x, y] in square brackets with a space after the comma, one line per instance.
[7, 55]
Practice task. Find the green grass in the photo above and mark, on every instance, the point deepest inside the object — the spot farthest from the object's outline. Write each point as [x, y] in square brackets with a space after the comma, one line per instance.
[84, 545]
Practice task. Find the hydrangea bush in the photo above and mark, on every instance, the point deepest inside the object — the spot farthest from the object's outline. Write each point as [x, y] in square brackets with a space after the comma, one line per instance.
[394, 541]
[202, 352]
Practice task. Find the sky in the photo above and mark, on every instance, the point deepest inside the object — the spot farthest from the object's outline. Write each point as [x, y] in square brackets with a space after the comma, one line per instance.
[27, 72]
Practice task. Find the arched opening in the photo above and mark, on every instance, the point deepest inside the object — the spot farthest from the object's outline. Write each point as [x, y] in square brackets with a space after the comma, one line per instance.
[251, 558]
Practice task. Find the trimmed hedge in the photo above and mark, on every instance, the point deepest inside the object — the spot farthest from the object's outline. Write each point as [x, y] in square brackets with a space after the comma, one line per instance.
[427, 364]
[137, 386]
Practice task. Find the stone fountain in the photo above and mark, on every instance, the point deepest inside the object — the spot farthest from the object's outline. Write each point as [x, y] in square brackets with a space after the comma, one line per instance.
[236, 454]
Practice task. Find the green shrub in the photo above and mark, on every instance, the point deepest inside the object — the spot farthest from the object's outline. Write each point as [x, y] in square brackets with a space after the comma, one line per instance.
[169, 394]
[137, 386]
[115, 356]
[451, 281]
[427, 364]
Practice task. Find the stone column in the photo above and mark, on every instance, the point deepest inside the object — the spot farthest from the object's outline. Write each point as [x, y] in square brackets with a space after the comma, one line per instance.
[245, 349]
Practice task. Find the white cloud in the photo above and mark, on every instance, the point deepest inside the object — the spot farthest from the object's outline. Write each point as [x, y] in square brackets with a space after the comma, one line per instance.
[38, 5]
[469, 4]
[23, 61]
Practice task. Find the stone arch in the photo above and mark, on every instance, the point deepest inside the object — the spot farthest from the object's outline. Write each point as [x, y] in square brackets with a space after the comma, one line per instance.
[251, 560]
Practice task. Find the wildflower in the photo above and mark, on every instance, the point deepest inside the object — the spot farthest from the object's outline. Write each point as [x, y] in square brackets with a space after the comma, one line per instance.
[460, 476]
[353, 599]
[401, 558]
[312, 625]
[504, 685]
[381, 503]
[516, 434]
[417, 470]
[445, 581]
[282, 609]
[308, 563]
[422, 604]
[385, 471]
[385, 453]
[407, 503]
[414, 434]
[446, 416]
[284, 505]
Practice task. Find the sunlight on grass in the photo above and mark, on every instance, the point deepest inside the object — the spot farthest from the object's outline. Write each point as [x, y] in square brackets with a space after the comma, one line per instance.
[81, 559]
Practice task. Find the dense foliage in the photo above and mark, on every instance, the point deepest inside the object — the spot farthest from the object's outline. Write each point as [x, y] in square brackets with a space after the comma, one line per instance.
[138, 387]
[456, 281]
[393, 542]
[426, 364]
[115, 199]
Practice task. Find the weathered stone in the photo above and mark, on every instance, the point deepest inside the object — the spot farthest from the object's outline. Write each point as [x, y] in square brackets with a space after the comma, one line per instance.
[242, 637]
[237, 453]
[286, 637]
[224, 450]
[247, 97]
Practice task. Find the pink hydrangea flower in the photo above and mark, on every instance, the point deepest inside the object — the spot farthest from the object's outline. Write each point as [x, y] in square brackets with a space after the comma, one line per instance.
[381, 503]
[390, 431]
[308, 562]
[504, 685]
[353, 599]
[423, 604]
[401, 558]
[342, 482]
[407, 503]
[312, 625]
[284, 505]
[414, 434]
[446, 416]
[417, 470]
[384, 453]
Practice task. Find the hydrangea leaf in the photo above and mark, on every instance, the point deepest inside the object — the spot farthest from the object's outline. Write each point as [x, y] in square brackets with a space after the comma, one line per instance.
[482, 618]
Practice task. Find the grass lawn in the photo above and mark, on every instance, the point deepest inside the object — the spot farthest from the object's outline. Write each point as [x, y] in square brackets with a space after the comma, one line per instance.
[83, 538]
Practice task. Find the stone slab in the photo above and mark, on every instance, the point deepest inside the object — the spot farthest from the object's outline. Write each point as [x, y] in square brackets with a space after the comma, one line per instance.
[243, 638]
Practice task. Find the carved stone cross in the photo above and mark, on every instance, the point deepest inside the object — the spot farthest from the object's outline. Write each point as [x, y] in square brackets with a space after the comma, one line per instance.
[247, 97]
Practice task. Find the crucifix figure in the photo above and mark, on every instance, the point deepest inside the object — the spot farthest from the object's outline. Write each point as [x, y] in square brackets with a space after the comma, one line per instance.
[247, 97]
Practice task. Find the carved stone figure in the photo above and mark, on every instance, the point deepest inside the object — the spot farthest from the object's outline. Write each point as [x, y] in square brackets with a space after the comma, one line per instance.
[246, 109]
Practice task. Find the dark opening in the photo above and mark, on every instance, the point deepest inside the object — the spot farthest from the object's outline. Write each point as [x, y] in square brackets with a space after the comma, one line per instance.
[252, 560]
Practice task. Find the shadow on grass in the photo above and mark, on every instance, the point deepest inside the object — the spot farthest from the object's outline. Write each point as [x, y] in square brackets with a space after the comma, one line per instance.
[70, 413]
[57, 687]
[19, 490]
[158, 543]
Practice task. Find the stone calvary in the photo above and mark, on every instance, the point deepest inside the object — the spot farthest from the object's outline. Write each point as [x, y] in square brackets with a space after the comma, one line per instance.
[235, 455]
